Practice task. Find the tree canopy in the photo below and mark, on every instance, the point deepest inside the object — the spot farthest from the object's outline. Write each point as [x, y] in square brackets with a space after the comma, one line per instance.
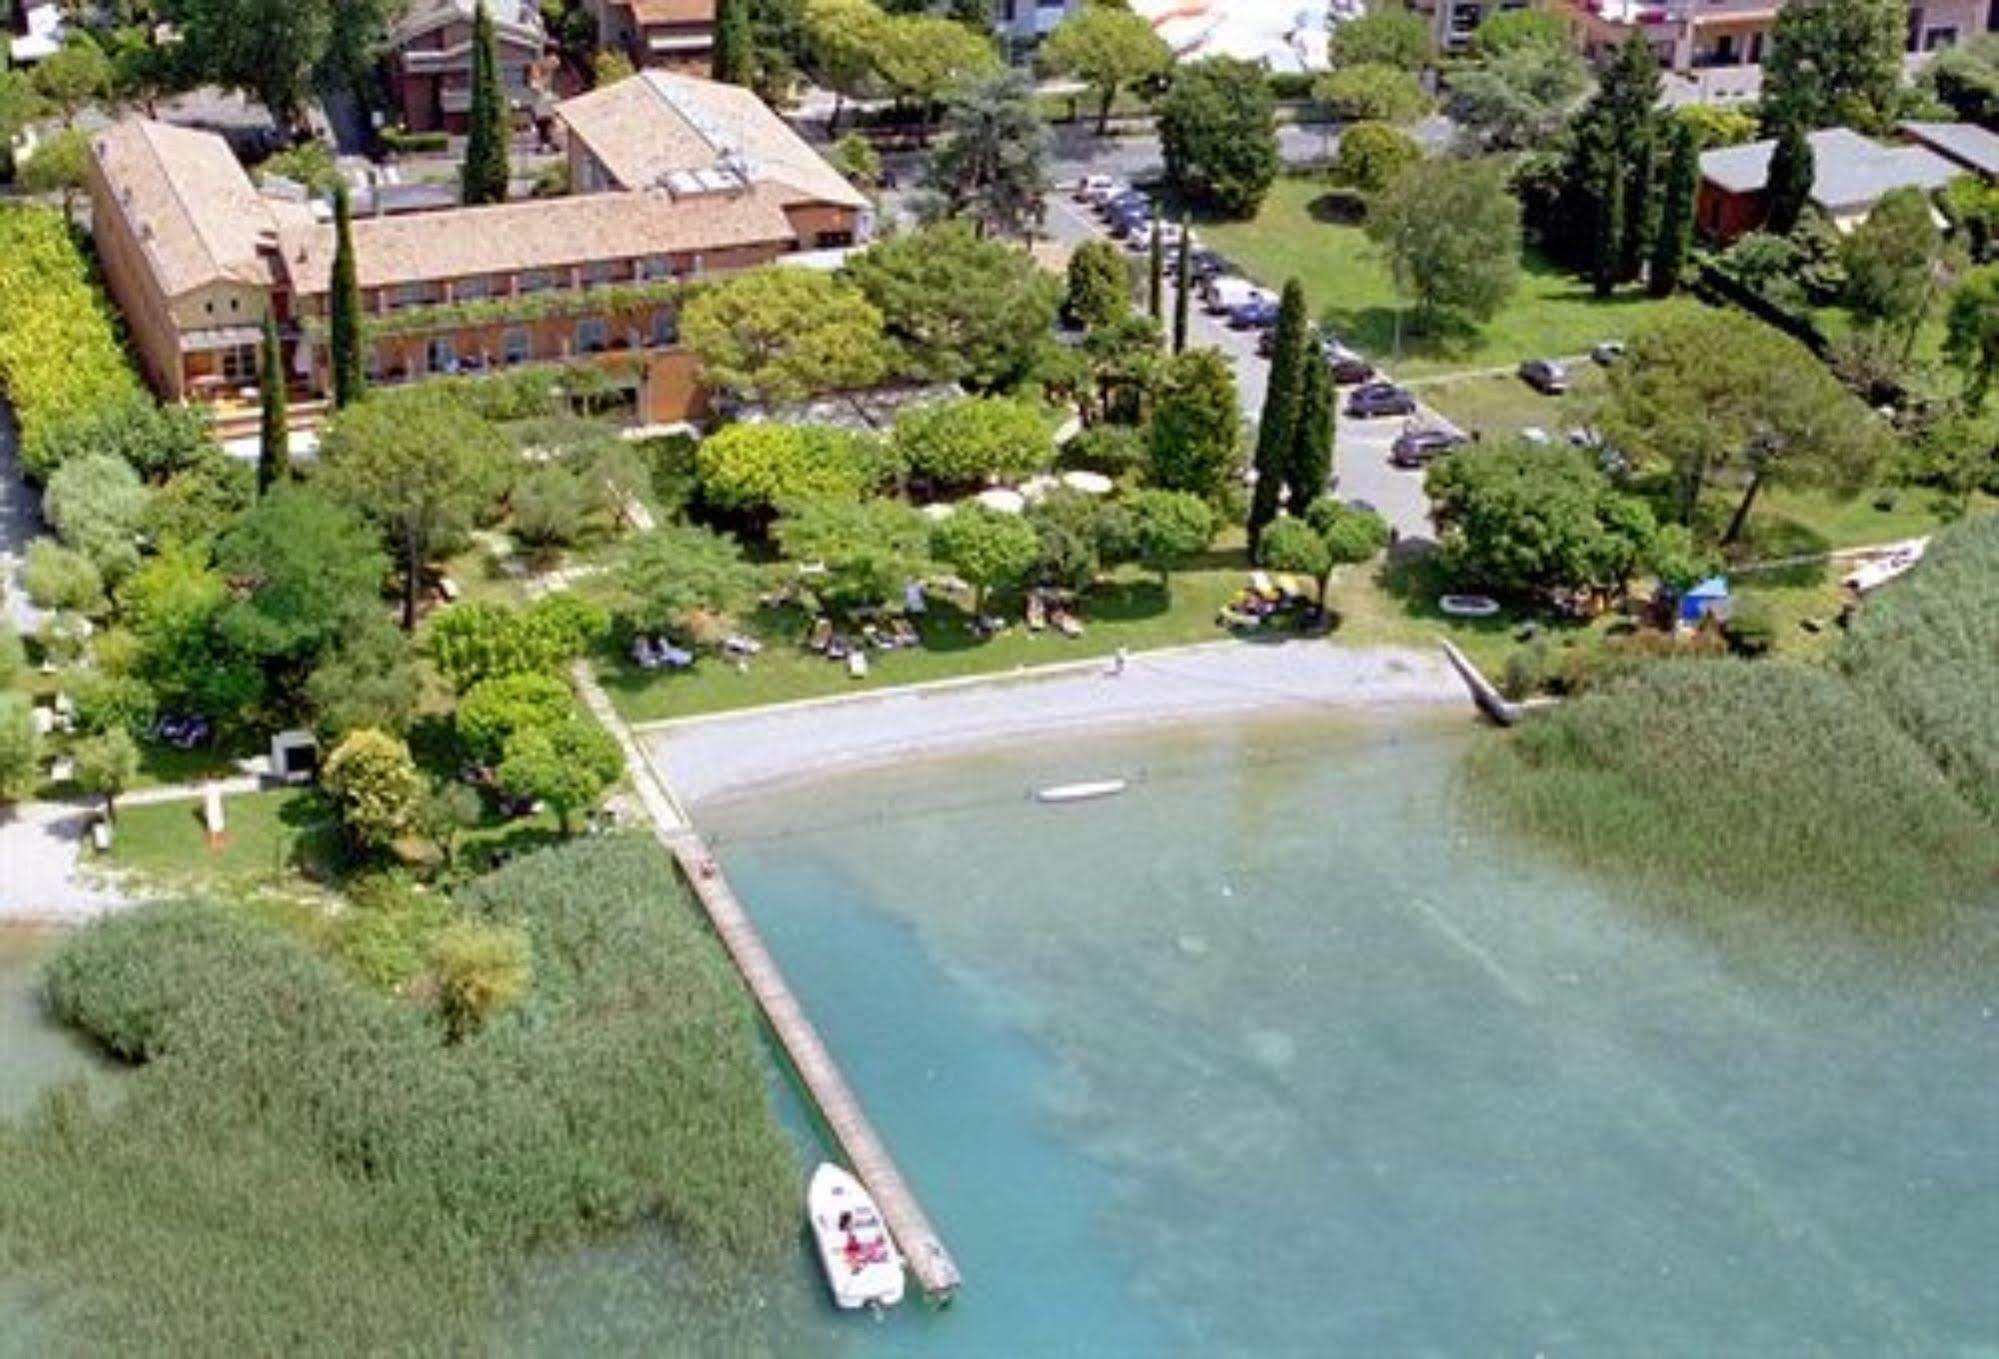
[785, 334]
[869, 550]
[758, 468]
[1891, 259]
[1194, 440]
[1374, 92]
[988, 549]
[1834, 63]
[1517, 519]
[1109, 49]
[273, 50]
[1170, 528]
[1971, 337]
[968, 441]
[1099, 284]
[680, 571]
[1218, 133]
[307, 571]
[1384, 37]
[1518, 99]
[962, 309]
[1371, 155]
[1451, 234]
[992, 166]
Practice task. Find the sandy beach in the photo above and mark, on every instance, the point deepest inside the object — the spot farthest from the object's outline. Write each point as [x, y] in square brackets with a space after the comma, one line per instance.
[709, 757]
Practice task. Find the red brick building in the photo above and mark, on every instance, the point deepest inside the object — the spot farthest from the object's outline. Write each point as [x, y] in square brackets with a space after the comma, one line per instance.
[677, 35]
[429, 57]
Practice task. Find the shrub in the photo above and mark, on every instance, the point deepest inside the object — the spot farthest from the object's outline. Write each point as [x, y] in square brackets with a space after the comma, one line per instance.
[57, 577]
[1373, 154]
[549, 507]
[756, 468]
[1751, 628]
[475, 642]
[375, 784]
[965, 442]
[493, 710]
[13, 656]
[20, 747]
[480, 970]
[403, 143]
[96, 504]
[566, 764]
[113, 703]
[60, 359]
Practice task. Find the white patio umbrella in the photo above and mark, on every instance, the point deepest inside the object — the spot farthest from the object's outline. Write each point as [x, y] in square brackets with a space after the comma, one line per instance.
[1089, 483]
[1036, 487]
[937, 511]
[1005, 501]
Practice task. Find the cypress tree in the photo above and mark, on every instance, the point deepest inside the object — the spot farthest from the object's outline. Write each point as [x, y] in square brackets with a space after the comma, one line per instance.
[1183, 284]
[1156, 276]
[735, 43]
[1676, 217]
[1311, 463]
[1788, 187]
[1278, 426]
[1641, 203]
[344, 324]
[274, 458]
[483, 176]
[1608, 245]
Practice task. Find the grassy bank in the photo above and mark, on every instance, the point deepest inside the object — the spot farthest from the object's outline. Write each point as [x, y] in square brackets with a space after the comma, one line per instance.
[305, 1165]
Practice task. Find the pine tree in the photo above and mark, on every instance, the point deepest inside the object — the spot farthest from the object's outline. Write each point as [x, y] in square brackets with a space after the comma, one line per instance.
[483, 177]
[1641, 204]
[1183, 285]
[1278, 425]
[1788, 186]
[1676, 216]
[735, 43]
[1311, 464]
[1155, 286]
[274, 459]
[344, 323]
[1608, 256]
[1607, 177]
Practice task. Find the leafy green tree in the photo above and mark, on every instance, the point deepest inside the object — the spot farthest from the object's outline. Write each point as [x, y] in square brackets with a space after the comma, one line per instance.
[1218, 133]
[992, 166]
[1510, 30]
[1715, 126]
[76, 75]
[1371, 155]
[1277, 430]
[1170, 529]
[178, 608]
[963, 309]
[485, 172]
[375, 785]
[1123, 360]
[106, 764]
[1193, 442]
[200, 503]
[307, 572]
[785, 334]
[270, 50]
[1520, 520]
[475, 642]
[1834, 62]
[1291, 545]
[1070, 529]
[20, 747]
[480, 971]
[106, 702]
[1610, 162]
[1316, 544]
[1372, 92]
[417, 462]
[550, 505]
[369, 680]
[755, 469]
[1971, 332]
[1183, 284]
[1383, 37]
[20, 105]
[870, 549]
[1675, 238]
[1891, 260]
[13, 656]
[1099, 285]
[1965, 77]
[735, 43]
[1788, 187]
[493, 711]
[308, 163]
[679, 572]
[155, 440]
[95, 504]
[569, 766]
[918, 58]
[843, 37]
[1109, 49]
[63, 579]
[274, 455]
[972, 440]
[855, 157]
[1707, 398]
[1310, 465]
[1451, 235]
[1518, 99]
[989, 550]
[60, 165]
[344, 304]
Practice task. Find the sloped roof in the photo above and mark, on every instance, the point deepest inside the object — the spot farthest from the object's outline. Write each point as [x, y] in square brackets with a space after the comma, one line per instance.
[189, 203]
[422, 16]
[657, 124]
[649, 12]
[1966, 143]
[1849, 171]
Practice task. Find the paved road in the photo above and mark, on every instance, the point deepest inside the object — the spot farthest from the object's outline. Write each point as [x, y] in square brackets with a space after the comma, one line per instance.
[1360, 451]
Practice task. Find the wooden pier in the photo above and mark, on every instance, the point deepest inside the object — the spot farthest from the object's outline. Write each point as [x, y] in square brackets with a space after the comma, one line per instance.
[936, 1272]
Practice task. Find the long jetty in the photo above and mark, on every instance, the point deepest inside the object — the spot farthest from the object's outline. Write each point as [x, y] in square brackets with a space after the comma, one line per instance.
[932, 1264]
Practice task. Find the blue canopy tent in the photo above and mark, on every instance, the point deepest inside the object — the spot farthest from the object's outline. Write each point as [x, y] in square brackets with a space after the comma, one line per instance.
[1710, 597]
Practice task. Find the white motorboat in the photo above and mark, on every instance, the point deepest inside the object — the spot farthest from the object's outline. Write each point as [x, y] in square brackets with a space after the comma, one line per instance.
[1081, 792]
[863, 1267]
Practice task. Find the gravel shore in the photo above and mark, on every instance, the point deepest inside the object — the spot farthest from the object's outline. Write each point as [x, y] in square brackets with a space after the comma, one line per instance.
[708, 757]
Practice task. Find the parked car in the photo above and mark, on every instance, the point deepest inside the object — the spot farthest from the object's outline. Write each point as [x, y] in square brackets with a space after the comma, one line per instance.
[1372, 399]
[1225, 292]
[1090, 188]
[1124, 200]
[1125, 223]
[1415, 447]
[1545, 376]
[183, 731]
[1259, 313]
[1206, 264]
[1608, 352]
[1346, 366]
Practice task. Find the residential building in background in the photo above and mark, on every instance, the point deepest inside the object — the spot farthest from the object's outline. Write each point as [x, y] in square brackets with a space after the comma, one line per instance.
[429, 58]
[684, 179]
[677, 35]
[1850, 174]
[1024, 23]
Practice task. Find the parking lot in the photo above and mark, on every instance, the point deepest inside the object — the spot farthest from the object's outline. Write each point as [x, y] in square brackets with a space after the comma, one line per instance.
[1361, 448]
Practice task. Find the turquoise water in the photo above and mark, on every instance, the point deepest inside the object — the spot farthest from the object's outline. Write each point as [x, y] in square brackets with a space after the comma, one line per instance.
[1276, 1054]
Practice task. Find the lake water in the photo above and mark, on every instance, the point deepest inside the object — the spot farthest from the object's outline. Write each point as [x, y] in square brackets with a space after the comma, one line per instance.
[1278, 1053]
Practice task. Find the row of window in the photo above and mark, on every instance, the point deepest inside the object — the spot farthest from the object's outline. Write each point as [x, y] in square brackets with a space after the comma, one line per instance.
[592, 335]
[595, 274]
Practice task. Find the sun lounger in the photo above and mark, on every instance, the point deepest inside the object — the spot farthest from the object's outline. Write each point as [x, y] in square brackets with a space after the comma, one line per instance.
[822, 635]
[1037, 613]
[739, 645]
[905, 634]
[674, 657]
[1066, 623]
[1262, 586]
[857, 664]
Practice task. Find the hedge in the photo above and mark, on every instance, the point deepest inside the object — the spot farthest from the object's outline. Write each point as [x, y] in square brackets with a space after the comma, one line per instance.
[60, 358]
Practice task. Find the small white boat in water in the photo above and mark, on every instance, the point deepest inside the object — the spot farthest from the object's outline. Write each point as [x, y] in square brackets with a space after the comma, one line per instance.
[1081, 792]
[862, 1265]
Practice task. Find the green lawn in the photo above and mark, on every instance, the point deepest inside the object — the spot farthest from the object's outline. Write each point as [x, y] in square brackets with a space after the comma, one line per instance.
[1298, 232]
[270, 836]
[1498, 405]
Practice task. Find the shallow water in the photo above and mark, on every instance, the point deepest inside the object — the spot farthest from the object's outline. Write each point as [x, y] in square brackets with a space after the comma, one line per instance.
[1275, 1053]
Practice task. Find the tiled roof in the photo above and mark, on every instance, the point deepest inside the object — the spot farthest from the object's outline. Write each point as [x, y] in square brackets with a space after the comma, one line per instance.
[648, 12]
[657, 124]
[196, 214]
[550, 233]
[523, 16]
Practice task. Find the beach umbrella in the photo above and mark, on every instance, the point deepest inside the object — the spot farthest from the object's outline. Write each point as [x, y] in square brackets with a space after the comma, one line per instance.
[1006, 502]
[937, 512]
[1036, 487]
[1089, 483]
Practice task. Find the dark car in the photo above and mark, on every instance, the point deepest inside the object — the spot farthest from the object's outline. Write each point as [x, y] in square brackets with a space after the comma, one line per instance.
[1380, 398]
[1545, 376]
[1258, 313]
[1127, 201]
[1346, 366]
[1414, 448]
[1205, 264]
[1127, 223]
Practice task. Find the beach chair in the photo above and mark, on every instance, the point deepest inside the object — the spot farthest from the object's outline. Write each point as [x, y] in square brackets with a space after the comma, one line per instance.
[822, 635]
[1067, 623]
[905, 633]
[1037, 613]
